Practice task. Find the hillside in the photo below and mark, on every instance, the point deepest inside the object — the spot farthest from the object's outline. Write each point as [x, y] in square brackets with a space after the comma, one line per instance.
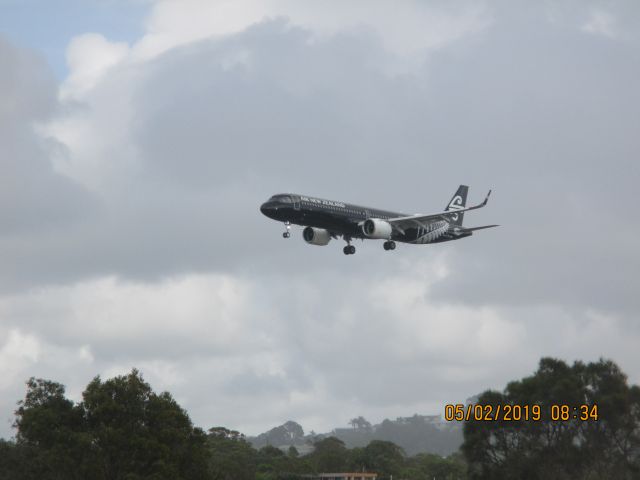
[415, 434]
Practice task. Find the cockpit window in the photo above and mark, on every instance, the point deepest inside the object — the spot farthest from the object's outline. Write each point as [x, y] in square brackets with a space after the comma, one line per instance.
[281, 198]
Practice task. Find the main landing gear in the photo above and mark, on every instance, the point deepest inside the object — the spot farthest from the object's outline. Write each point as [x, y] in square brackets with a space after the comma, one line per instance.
[389, 245]
[287, 234]
[349, 249]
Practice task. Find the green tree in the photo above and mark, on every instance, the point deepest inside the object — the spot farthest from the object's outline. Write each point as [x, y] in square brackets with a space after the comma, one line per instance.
[18, 461]
[231, 456]
[427, 465]
[608, 447]
[384, 458]
[271, 463]
[121, 430]
[139, 433]
[51, 428]
[293, 452]
[330, 455]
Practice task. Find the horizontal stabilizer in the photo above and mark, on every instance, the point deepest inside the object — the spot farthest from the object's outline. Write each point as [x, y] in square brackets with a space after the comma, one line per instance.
[480, 228]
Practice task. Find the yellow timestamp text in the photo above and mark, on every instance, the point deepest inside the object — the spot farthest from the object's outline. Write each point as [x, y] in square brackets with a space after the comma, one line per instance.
[516, 413]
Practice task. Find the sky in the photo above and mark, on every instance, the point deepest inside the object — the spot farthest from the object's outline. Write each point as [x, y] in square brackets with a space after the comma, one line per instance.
[139, 138]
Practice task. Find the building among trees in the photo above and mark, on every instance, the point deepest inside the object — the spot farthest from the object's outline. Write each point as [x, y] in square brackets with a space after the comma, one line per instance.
[342, 476]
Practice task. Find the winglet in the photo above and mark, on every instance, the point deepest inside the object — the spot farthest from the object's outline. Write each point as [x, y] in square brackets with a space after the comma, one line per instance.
[486, 199]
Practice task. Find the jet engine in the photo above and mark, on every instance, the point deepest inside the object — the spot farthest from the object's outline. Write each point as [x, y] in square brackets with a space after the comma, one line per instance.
[316, 236]
[376, 228]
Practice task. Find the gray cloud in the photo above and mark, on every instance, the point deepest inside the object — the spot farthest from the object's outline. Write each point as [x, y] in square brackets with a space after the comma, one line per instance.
[33, 198]
[550, 114]
[546, 116]
[195, 139]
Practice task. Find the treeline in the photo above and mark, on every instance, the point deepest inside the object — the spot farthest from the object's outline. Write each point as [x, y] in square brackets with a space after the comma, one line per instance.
[588, 426]
[329, 455]
[122, 430]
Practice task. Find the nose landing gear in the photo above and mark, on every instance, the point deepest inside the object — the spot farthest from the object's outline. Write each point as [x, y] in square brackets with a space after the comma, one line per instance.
[389, 245]
[287, 234]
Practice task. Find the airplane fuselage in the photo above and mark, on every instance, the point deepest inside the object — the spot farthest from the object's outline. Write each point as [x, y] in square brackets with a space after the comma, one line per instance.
[347, 219]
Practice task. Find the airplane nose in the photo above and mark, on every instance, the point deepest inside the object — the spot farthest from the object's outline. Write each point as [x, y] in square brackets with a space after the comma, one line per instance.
[267, 209]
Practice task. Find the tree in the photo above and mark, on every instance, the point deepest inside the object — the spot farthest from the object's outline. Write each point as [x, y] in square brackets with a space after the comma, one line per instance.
[382, 457]
[121, 430]
[51, 428]
[288, 433]
[415, 435]
[360, 423]
[19, 461]
[608, 447]
[231, 456]
[427, 465]
[271, 463]
[140, 432]
[330, 455]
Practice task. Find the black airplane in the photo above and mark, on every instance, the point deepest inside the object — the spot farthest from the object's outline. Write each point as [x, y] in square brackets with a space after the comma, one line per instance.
[326, 219]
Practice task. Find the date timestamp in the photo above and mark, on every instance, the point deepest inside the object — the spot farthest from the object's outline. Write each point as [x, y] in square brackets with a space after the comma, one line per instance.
[517, 413]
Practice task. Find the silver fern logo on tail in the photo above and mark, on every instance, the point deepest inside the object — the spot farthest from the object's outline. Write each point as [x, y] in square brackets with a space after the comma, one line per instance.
[455, 204]
[458, 202]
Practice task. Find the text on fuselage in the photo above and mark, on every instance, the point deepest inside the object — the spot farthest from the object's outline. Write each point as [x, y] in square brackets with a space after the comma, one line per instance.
[319, 201]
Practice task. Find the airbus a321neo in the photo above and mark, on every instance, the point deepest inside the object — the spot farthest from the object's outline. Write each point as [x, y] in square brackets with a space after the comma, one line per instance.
[326, 219]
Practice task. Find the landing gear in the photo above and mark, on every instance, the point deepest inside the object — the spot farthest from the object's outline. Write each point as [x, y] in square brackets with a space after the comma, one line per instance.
[349, 249]
[287, 234]
[389, 245]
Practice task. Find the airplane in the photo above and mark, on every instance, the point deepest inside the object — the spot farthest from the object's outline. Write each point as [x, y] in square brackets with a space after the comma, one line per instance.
[327, 219]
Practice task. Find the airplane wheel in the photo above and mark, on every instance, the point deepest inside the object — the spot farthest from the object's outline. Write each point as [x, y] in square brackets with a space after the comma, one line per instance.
[352, 249]
[385, 245]
[346, 250]
[286, 235]
[392, 245]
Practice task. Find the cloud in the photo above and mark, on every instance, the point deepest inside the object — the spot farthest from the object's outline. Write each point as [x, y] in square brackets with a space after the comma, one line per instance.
[615, 20]
[247, 353]
[600, 22]
[145, 146]
[405, 28]
[228, 121]
[89, 56]
[33, 197]
[144, 245]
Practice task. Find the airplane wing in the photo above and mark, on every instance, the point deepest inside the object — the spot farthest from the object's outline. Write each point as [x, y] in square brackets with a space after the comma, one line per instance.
[422, 221]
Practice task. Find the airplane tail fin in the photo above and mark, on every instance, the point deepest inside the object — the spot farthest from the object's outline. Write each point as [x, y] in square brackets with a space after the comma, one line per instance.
[458, 202]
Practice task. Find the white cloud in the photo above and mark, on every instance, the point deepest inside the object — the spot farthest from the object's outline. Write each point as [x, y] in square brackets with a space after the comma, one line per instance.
[600, 23]
[408, 30]
[106, 311]
[405, 27]
[96, 132]
[89, 57]
[18, 351]
[224, 344]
